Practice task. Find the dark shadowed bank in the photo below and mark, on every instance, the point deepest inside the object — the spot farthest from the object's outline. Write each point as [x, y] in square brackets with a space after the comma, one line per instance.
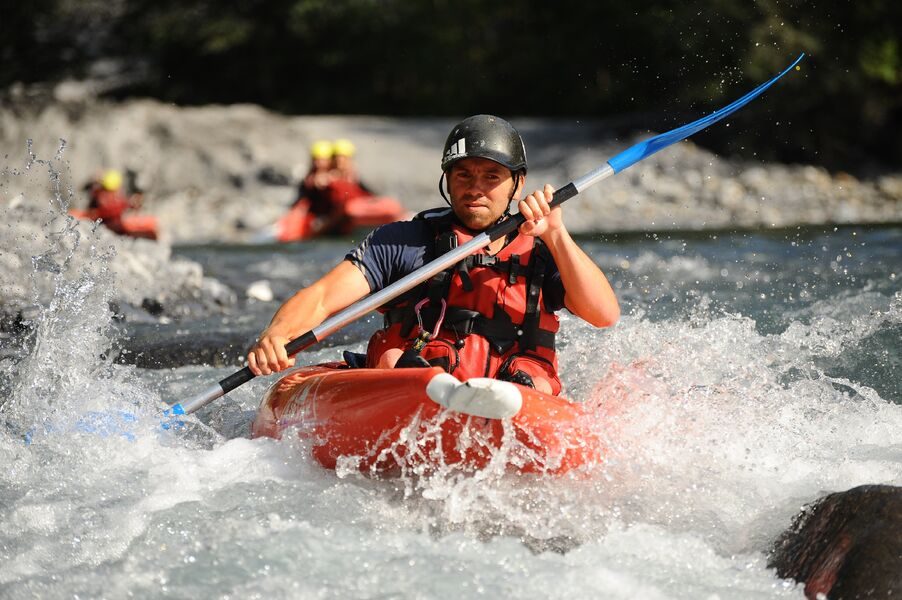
[564, 59]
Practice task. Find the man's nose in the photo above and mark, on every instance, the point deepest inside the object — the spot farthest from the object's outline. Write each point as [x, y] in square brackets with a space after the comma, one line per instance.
[480, 185]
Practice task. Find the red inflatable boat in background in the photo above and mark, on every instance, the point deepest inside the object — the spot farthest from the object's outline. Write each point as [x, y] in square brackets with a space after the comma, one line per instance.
[139, 226]
[348, 206]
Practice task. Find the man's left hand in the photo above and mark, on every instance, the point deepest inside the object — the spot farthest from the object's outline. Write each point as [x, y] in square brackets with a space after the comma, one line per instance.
[540, 217]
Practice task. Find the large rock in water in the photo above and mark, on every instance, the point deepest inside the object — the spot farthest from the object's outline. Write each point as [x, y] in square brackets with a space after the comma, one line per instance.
[846, 545]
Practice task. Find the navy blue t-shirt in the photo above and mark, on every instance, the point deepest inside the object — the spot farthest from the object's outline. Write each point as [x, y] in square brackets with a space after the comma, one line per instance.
[397, 249]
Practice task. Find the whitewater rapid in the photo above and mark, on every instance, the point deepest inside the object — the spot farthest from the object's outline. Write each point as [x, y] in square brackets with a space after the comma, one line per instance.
[751, 374]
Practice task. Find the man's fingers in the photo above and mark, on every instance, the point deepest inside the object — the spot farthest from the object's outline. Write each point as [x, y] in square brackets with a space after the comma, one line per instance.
[275, 354]
[269, 356]
[282, 355]
[258, 359]
[252, 363]
[531, 208]
[544, 198]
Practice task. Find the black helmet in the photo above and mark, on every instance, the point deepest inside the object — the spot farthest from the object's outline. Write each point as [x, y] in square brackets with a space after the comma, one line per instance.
[485, 136]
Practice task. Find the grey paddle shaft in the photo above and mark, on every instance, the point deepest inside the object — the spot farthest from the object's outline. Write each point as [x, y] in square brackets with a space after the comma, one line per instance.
[406, 283]
[447, 260]
[342, 318]
[377, 299]
[589, 179]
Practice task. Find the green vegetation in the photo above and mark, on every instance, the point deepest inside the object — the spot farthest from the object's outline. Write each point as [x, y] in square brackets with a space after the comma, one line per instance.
[567, 58]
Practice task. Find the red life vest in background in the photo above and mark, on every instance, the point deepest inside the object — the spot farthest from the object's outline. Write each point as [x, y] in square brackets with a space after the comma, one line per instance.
[340, 191]
[107, 204]
[495, 322]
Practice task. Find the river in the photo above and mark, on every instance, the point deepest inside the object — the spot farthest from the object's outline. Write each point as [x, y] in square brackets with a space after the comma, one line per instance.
[751, 373]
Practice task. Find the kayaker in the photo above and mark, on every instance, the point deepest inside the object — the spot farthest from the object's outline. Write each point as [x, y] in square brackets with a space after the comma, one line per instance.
[344, 187]
[319, 210]
[314, 185]
[343, 160]
[328, 185]
[108, 201]
[344, 169]
[493, 314]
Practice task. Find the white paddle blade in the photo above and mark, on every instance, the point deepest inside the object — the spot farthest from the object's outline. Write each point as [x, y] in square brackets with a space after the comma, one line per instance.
[480, 396]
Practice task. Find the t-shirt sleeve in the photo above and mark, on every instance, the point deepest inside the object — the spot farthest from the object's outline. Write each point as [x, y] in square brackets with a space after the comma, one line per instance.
[390, 252]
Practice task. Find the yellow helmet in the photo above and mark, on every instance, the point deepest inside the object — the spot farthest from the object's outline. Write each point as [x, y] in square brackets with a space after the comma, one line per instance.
[343, 147]
[111, 180]
[321, 149]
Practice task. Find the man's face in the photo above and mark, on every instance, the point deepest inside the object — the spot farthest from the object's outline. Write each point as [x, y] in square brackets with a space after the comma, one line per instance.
[480, 190]
[342, 162]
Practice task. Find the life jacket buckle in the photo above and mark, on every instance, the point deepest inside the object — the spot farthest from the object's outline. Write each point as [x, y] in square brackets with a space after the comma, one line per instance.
[424, 336]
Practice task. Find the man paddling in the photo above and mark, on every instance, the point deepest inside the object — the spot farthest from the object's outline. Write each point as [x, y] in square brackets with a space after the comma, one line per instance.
[493, 315]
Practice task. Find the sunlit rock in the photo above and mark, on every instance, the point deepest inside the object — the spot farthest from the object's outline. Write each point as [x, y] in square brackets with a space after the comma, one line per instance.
[260, 290]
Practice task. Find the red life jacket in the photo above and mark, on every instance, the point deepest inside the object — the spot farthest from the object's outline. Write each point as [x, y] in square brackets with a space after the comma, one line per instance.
[495, 323]
[108, 205]
[342, 190]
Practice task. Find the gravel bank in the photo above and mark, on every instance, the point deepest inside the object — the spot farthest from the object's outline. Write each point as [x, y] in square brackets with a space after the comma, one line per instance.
[217, 173]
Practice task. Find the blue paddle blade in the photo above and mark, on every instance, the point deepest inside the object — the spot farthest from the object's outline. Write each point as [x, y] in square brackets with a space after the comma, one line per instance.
[648, 147]
[171, 418]
[104, 424]
[108, 424]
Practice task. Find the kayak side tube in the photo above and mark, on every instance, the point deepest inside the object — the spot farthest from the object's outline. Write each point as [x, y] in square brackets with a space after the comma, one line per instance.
[386, 420]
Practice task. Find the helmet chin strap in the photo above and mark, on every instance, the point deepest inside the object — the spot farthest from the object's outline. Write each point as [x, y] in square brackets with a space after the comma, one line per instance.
[441, 188]
[507, 210]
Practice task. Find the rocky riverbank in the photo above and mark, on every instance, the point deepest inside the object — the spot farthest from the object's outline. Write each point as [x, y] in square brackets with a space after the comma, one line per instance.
[218, 173]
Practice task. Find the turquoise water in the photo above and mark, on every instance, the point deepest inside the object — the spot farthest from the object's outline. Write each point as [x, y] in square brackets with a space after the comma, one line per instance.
[751, 373]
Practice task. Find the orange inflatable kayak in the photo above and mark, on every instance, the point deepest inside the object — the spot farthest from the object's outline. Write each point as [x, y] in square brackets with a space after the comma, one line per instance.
[359, 212]
[142, 226]
[382, 421]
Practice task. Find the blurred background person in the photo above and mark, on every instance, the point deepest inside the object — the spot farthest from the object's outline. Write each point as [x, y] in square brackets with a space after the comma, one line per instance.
[343, 164]
[109, 199]
[313, 187]
[331, 198]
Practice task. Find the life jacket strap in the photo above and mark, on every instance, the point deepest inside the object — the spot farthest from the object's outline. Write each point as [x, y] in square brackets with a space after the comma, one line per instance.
[533, 288]
[500, 331]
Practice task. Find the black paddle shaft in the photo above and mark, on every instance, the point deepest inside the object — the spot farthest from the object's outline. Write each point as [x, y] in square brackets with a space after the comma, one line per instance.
[244, 375]
[508, 225]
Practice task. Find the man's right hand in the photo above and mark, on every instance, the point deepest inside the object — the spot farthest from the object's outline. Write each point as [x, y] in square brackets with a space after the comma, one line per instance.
[268, 355]
[334, 291]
